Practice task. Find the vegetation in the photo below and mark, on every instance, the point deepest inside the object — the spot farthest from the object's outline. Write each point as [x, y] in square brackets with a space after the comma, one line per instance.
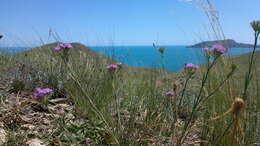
[67, 94]
[120, 105]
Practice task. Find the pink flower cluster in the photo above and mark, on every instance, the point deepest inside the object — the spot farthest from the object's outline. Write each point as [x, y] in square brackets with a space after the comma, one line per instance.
[217, 50]
[191, 66]
[41, 92]
[113, 67]
[169, 93]
[62, 46]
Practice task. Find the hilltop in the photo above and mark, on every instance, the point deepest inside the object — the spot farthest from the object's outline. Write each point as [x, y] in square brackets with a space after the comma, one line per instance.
[228, 43]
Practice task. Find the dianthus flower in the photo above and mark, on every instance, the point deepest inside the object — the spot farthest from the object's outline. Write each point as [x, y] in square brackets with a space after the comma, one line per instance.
[112, 67]
[62, 46]
[169, 93]
[191, 68]
[41, 92]
[219, 49]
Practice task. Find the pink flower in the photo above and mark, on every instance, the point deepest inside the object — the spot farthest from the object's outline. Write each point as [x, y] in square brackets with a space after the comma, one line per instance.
[205, 49]
[60, 47]
[219, 49]
[112, 67]
[191, 66]
[66, 46]
[41, 92]
[169, 93]
[57, 48]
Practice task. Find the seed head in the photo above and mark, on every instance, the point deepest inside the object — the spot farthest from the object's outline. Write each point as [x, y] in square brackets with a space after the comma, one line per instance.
[238, 105]
[161, 50]
[256, 26]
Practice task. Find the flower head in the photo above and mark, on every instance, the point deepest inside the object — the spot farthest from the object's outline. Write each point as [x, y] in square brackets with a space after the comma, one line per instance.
[66, 46]
[161, 50]
[112, 67]
[256, 26]
[62, 46]
[41, 92]
[219, 49]
[57, 48]
[191, 68]
[169, 93]
[205, 49]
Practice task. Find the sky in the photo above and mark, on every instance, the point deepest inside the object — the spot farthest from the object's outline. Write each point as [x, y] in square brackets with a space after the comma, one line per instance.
[122, 22]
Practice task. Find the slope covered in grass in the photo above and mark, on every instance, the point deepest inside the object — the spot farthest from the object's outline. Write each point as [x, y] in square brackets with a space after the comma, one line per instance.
[126, 106]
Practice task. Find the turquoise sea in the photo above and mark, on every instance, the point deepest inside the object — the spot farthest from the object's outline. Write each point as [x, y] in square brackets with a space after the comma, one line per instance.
[146, 56]
[173, 59]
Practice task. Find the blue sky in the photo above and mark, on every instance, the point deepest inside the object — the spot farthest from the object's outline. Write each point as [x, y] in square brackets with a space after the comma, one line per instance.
[121, 22]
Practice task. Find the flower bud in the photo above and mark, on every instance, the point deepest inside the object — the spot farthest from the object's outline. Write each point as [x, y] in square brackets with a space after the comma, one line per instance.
[238, 105]
[255, 25]
[161, 50]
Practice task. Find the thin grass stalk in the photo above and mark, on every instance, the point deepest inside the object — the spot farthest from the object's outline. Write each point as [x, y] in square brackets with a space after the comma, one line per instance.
[219, 86]
[248, 74]
[184, 89]
[196, 103]
[94, 108]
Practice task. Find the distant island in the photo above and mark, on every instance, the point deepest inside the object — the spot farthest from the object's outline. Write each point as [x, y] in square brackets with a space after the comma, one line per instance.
[228, 43]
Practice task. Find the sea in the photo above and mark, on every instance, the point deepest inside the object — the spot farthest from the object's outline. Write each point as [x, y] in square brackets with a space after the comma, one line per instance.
[173, 58]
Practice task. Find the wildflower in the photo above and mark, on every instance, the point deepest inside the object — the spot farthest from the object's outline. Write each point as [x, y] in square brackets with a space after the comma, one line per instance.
[219, 49]
[112, 67]
[205, 49]
[190, 68]
[66, 46]
[256, 26]
[41, 92]
[60, 47]
[169, 93]
[57, 48]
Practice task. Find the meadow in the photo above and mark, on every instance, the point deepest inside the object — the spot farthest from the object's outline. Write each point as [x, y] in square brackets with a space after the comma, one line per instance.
[68, 94]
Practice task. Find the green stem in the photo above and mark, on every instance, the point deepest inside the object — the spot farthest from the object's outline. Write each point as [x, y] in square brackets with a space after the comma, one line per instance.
[196, 101]
[183, 91]
[248, 75]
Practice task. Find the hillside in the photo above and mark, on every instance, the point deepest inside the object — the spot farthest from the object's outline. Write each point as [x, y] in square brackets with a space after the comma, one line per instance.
[243, 60]
[228, 43]
[119, 95]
